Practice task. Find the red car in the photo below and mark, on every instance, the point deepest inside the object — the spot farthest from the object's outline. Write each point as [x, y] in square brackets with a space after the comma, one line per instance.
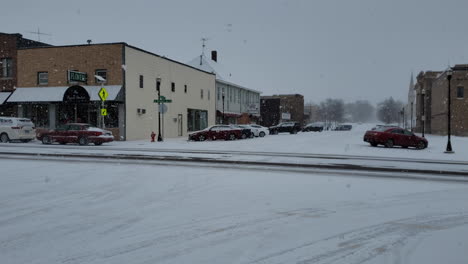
[80, 133]
[216, 132]
[394, 136]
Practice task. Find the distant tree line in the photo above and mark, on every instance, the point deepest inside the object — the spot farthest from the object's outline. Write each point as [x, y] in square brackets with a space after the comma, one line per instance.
[333, 111]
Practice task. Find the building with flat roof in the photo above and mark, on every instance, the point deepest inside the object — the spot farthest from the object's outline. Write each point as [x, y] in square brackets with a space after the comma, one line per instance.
[60, 84]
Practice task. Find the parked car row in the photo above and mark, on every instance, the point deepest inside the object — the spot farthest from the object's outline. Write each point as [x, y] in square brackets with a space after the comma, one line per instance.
[228, 132]
[22, 129]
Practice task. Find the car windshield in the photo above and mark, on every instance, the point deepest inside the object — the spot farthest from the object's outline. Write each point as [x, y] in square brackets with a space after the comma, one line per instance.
[252, 132]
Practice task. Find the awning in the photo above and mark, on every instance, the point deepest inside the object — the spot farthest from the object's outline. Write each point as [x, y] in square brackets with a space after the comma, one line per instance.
[3, 97]
[55, 94]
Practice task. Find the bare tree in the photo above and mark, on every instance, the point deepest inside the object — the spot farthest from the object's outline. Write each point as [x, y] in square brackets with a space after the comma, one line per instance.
[389, 110]
[360, 111]
[331, 111]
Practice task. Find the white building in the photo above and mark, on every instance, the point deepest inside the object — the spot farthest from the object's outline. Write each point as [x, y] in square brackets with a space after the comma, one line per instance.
[130, 75]
[234, 103]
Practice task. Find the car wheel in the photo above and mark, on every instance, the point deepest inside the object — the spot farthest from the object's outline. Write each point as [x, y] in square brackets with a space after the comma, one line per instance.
[4, 138]
[421, 145]
[83, 141]
[232, 137]
[244, 136]
[252, 135]
[62, 143]
[262, 134]
[201, 138]
[294, 131]
[46, 140]
[389, 143]
[374, 144]
[98, 143]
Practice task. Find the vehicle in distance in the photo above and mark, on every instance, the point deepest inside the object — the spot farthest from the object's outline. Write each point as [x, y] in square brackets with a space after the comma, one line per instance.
[316, 127]
[343, 128]
[14, 128]
[258, 130]
[246, 131]
[394, 136]
[80, 133]
[291, 127]
[216, 132]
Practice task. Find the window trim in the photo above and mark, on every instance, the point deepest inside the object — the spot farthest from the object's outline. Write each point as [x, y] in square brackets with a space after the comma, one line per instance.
[462, 92]
[39, 78]
[141, 81]
[4, 68]
[96, 73]
[173, 87]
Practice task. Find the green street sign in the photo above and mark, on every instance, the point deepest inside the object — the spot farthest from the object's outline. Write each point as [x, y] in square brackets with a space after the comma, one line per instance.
[162, 100]
[74, 76]
[103, 94]
[103, 111]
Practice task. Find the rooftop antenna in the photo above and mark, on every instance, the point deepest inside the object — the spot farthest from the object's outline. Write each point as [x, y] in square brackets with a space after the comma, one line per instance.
[39, 33]
[204, 40]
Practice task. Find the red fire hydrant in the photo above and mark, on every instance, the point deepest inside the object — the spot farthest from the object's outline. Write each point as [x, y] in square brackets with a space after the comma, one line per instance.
[153, 135]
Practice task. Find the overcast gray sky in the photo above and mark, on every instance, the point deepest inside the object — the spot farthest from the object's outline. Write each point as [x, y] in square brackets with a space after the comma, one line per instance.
[361, 49]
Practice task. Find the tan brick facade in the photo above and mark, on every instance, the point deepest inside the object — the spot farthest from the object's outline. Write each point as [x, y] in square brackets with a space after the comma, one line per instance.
[58, 60]
[459, 106]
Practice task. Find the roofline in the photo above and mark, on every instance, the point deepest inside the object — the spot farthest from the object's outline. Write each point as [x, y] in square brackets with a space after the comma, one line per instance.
[117, 43]
[77, 45]
[236, 85]
[166, 58]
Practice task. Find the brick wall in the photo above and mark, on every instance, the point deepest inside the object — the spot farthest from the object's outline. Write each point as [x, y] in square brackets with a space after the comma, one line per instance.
[58, 60]
[8, 50]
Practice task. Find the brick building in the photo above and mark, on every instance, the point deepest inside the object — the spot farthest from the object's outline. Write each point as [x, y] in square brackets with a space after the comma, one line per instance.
[423, 98]
[9, 45]
[58, 84]
[432, 102]
[281, 108]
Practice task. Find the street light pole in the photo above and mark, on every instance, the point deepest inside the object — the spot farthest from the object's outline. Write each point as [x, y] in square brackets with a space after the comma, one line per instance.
[423, 92]
[223, 106]
[449, 116]
[158, 87]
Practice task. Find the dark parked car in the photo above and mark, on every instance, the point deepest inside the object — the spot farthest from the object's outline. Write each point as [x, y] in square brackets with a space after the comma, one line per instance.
[316, 127]
[246, 131]
[216, 132]
[80, 133]
[394, 136]
[291, 127]
[343, 128]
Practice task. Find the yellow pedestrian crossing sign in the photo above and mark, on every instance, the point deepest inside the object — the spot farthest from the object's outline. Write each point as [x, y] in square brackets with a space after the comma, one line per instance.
[103, 94]
[103, 111]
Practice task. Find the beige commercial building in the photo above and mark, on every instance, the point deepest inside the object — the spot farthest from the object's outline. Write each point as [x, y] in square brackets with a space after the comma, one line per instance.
[58, 84]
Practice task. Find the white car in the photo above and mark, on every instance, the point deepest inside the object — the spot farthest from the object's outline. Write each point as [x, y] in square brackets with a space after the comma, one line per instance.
[259, 131]
[14, 128]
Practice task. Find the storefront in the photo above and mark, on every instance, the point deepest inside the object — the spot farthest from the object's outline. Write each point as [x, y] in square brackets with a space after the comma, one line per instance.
[49, 107]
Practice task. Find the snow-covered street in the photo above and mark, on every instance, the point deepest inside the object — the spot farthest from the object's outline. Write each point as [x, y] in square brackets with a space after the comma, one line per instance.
[82, 212]
[115, 204]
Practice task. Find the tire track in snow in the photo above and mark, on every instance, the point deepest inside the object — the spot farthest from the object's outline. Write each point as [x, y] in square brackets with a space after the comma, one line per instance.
[360, 245]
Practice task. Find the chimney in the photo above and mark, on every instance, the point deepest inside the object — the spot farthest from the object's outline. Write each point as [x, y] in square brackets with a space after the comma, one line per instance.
[214, 55]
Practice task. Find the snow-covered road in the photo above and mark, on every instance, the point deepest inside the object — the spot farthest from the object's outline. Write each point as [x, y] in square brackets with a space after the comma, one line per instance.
[83, 212]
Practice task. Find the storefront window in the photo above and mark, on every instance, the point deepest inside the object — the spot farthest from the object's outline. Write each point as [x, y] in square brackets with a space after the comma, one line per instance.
[38, 113]
[197, 119]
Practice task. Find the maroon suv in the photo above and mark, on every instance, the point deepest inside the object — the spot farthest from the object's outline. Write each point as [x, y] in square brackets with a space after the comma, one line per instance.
[216, 132]
[394, 136]
[80, 133]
